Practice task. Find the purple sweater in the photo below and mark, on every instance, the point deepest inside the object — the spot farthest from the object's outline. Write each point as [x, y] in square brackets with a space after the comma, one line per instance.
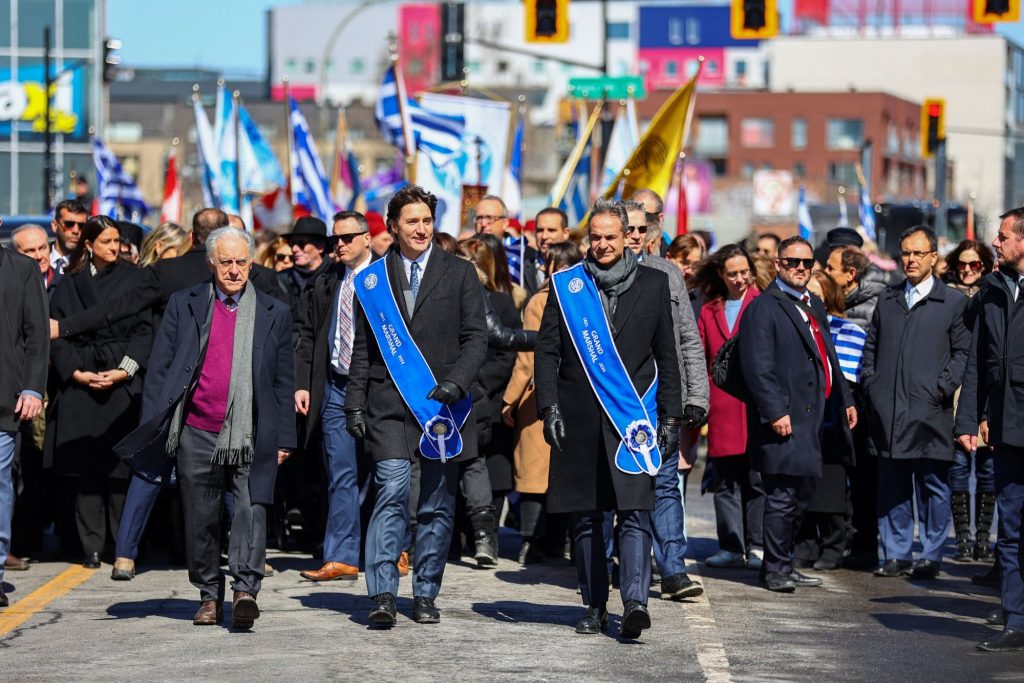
[210, 401]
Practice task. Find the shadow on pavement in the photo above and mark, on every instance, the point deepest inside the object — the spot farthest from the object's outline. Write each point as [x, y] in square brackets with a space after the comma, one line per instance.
[562, 576]
[964, 607]
[932, 626]
[356, 607]
[169, 608]
[517, 611]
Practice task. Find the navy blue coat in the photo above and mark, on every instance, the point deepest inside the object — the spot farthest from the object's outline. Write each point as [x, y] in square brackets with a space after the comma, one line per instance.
[784, 376]
[993, 386]
[913, 364]
[173, 372]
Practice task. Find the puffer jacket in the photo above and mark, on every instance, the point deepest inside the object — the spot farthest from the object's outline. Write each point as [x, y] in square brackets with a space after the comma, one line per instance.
[860, 303]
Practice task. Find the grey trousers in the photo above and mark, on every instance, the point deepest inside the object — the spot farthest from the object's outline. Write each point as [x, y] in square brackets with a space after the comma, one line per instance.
[203, 486]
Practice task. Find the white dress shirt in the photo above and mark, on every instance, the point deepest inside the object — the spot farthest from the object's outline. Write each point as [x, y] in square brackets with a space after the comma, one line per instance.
[922, 290]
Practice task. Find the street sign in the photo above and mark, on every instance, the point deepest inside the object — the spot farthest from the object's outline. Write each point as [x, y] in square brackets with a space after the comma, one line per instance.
[611, 87]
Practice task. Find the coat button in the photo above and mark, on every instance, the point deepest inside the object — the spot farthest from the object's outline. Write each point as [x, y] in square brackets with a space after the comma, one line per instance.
[170, 401]
[808, 409]
[188, 368]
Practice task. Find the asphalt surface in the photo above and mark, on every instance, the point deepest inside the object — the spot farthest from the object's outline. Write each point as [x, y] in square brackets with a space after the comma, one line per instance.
[511, 623]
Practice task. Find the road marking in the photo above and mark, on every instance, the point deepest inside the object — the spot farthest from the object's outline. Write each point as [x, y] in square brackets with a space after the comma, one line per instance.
[22, 610]
[711, 657]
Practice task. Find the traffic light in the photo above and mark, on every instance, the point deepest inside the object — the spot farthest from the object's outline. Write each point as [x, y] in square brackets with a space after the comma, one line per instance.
[453, 40]
[933, 125]
[754, 19]
[547, 21]
[993, 11]
[110, 60]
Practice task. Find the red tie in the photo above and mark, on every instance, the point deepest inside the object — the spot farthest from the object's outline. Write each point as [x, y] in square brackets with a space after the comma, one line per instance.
[819, 341]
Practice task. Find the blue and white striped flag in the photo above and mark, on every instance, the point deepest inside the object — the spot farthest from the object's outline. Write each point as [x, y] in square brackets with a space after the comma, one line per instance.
[412, 127]
[226, 138]
[866, 209]
[119, 196]
[207, 155]
[512, 187]
[515, 248]
[311, 187]
[803, 217]
[576, 199]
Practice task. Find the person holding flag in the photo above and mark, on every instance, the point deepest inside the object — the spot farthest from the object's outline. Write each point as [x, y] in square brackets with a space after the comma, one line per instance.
[608, 326]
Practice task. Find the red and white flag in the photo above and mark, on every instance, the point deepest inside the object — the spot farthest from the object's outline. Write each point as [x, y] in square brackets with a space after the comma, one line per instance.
[170, 211]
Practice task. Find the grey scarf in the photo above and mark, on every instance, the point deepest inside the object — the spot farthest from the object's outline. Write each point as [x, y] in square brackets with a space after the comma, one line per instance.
[235, 441]
[614, 280]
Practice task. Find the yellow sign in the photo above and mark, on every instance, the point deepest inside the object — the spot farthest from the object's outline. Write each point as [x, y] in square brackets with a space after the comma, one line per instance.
[24, 101]
[994, 11]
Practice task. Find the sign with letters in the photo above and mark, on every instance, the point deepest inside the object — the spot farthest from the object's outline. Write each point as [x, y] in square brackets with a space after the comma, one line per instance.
[23, 103]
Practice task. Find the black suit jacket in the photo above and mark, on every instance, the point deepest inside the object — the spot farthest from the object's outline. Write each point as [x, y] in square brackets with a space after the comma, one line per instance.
[447, 324]
[24, 333]
[785, 376]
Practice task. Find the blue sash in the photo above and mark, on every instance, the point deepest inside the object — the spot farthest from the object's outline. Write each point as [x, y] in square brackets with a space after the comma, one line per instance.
[441, 439]
[591, 335]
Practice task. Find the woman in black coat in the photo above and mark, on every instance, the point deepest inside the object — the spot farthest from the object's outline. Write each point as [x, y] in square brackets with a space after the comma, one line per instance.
[97, 385]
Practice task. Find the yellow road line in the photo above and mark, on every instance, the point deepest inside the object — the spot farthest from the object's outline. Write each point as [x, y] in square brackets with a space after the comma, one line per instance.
[22, 610]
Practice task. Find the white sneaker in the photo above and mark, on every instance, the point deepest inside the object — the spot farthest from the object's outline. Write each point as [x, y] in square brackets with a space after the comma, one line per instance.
[726, 558]
[755, 559]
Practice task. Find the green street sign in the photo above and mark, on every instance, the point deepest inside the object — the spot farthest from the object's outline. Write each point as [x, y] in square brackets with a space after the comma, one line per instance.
[613, 88]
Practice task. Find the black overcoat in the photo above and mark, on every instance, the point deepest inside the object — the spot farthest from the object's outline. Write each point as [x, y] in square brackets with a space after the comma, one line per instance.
[583, 476]
[447, 324]
[914, 361]
[499, 443]
[24, 333]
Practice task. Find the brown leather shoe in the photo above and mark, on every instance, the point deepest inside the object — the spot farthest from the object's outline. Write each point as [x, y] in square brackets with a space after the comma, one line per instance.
[244, 610]
[16, 564]
[403, 564]
[208, 614]
[332, 571]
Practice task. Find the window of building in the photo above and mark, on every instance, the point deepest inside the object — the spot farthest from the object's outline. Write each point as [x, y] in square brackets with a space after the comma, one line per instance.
[502, 66]
[842, 173]
[712, 138]
[309, 66]
[800, 169]
[718, 166]
[33, 16]
[747, 170]
[798, 134]
[892, 139]
[671, 68]
[538, 66]
[78, 22]
[844, 133]
[675, 31]
[711, 66]
[741, 69]
[757, 132]
[618, 30]
[357, 66]
[693, 31]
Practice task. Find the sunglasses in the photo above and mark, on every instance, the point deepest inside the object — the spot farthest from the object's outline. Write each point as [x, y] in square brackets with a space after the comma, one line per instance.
[335, 240]
[976, 266]
[68, 225]
[303, 242]
[642, 229]
[283, 258]
[790, 263]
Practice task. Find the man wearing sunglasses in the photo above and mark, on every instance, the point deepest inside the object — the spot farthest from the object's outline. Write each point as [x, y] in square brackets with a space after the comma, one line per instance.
[322, 357]
[796, 392]
[68, 220]
[310, 257]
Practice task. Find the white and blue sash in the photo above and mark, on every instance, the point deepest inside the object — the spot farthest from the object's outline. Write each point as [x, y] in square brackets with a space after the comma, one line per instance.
[440, 423]
[591, 335]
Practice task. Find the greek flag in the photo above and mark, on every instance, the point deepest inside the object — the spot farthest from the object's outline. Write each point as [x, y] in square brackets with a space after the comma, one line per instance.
[311, 187]
[225, 129]
[848, 338]
[119, 196]
[867, 212]
[207, 155]
[513, 181]
[412, 127]
[803, 217]
[514, 251]
[576, 199]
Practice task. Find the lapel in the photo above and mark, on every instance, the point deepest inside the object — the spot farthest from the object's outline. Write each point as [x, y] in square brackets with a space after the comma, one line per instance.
[437, 266]
[326, 290]
[198, 307]
[718, 310]
[899, 294]
[397, 279]
[628, 301]
[802, 328]
[261, 329]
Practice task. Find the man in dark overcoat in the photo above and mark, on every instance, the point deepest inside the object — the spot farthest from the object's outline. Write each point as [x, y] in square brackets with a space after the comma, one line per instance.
[914, 361]
[584, 479]
[797, 391]
[438, 297]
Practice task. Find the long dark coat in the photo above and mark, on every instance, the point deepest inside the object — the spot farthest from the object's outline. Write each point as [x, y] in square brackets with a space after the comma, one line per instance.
[785, 376]
[84, 424]
[173, 373]
[914, 360]
[24, 334]
[583, 476]
[492, 379]
[447, 324]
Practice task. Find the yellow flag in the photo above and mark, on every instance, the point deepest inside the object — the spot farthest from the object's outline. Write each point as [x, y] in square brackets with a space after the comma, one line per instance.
[653, 161]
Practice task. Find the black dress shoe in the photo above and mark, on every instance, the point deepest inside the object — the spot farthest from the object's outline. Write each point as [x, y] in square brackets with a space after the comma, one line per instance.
[779, 583]
[3, 597]
[91, 561]
[383, 613]
[635, 618]
[424, 611]
[804, 581]
[680, 586]
[996, 617]
[826, 565]
[595, 621]
[894, 568]
[1007, 641]
[925, 569]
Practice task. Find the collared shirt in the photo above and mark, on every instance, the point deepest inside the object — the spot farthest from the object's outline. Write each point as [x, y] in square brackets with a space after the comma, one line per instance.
[58, 262]
[350, 273]
[922, 290]
[421, 260]
[222, 297]
[1020, 286]
[793, 292]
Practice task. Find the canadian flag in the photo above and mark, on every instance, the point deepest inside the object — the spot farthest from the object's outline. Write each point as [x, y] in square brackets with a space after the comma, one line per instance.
[273, 210]
[170, 210]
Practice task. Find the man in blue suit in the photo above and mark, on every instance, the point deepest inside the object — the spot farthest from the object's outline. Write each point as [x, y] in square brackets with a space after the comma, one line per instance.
[797, 391]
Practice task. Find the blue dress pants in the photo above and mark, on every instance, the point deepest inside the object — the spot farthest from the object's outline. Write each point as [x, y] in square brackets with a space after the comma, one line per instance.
[634, 555]
[342, 536]
[898, 482]
[1009, 473]
[7, 443]
[668, 518]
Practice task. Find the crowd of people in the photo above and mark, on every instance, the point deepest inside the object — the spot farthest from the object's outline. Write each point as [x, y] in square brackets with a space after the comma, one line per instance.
[387, 397]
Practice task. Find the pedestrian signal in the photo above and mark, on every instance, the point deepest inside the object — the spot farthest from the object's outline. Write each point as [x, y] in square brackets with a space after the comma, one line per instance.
[993, 11]
[547, 21]
[933, 125]
[754, 19]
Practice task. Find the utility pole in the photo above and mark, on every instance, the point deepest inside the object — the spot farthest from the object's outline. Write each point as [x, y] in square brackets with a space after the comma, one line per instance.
[941, 219]
[47, 135]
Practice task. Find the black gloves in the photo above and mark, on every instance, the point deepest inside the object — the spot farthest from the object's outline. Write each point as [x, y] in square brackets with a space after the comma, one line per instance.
[355, 423]
[554, 426]
[668, 434]
[446, 392]
[694, 417]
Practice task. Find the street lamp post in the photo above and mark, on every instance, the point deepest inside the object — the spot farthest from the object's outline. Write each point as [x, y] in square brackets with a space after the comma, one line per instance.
[321, 94]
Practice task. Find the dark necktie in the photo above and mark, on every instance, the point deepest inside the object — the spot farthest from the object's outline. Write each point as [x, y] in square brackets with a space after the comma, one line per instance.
[819, 341]
[414, 279]
[229, 303]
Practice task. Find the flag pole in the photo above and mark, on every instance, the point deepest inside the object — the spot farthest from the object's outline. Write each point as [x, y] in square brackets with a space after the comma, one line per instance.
[236, 98]
[288, 140]
[577, 152]
[340, 130]
[410, 144]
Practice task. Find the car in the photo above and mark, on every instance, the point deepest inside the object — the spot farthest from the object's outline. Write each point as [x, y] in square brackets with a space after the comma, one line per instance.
[9, 223]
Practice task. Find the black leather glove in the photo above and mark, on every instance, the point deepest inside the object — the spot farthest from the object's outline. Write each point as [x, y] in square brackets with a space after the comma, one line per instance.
[668, 434]
[554, 426]
[355, 423]
[694, 417]
[446, 392]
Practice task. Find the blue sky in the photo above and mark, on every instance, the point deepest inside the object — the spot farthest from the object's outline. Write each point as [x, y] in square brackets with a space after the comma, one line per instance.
[231, 38]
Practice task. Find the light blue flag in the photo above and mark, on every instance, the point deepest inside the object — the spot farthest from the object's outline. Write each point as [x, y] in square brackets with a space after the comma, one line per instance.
[119, 196]
[803, 217]
[311, 187]
[412, 127]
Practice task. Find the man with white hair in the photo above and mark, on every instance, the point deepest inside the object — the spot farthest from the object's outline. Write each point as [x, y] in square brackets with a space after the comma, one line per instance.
[218, 404]
[31, 240]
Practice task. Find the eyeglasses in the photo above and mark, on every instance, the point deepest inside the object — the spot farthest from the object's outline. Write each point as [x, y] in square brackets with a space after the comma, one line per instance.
[488, 219]
[283, 258]
[303, 242]
[347, 238]
[68, 225]
[918, 255]
[642, 229]
[976, 266]
[790, 263]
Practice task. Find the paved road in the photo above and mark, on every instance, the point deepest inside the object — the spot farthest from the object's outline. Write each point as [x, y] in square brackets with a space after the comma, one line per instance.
[508, 624]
